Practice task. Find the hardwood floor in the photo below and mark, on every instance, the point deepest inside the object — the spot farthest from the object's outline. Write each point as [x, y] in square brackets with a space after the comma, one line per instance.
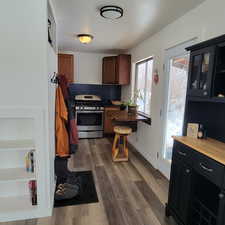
[130, 193]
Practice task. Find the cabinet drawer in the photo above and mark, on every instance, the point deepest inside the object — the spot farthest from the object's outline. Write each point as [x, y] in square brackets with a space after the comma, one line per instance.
[112, 114]
[210, 169]
[183, 153]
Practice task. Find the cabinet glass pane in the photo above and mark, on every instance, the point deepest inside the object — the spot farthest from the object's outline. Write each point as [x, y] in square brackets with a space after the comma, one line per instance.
[204, 71]
[197, 61]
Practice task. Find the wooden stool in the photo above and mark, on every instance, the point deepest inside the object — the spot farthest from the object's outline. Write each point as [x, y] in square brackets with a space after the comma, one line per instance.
[120, 132]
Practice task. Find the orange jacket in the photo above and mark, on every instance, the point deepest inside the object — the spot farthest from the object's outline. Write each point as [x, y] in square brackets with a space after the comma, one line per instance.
[61, 117]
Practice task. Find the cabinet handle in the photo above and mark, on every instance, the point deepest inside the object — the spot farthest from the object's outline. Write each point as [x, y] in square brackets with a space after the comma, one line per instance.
[182, 153]
[188, 170]
[205, 168]
[221, 195]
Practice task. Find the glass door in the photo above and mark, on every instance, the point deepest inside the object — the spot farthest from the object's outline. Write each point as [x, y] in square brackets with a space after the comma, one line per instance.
[176, 72]
[178, 77]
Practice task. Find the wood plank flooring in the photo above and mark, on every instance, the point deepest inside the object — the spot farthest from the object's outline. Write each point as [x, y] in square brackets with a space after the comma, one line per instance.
[130, 193]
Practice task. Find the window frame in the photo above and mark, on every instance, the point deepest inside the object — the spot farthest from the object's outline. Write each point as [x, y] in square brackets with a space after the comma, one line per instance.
[136, 82]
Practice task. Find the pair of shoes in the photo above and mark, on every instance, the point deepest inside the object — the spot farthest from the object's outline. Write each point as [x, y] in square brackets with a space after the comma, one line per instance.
[75, 180]
[66, 191]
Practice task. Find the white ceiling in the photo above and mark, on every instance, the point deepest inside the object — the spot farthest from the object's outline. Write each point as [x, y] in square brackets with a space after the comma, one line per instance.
[141, 19]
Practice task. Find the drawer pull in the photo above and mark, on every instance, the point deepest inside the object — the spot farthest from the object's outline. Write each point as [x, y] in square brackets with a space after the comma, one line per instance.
[188, 170]
[206, 168]
[182, 153]
[221, 195]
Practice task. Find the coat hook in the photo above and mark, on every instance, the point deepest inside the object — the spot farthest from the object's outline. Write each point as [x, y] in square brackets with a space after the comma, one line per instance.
[54, 78]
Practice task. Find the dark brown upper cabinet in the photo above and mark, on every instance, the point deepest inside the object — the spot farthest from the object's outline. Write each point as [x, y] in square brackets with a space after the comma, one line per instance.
[66, 66]
[109, 70]
[116, 69]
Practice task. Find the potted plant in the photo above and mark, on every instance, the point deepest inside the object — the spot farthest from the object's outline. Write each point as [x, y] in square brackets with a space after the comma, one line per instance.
[132, 105]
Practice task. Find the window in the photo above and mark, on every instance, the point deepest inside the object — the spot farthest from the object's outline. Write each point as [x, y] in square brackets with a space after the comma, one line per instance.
[143, 85]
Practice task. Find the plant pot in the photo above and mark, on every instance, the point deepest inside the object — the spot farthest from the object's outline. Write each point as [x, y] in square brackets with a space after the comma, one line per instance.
[123, 107]
[132, 109]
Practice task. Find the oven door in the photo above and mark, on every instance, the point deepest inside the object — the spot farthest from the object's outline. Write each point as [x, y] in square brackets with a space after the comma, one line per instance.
[89, 120]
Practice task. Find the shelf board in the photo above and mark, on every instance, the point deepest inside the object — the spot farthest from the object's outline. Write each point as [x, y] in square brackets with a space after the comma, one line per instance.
[15, 204]
[15, 174]
[218, 99]
[16, 145]
[210, 99]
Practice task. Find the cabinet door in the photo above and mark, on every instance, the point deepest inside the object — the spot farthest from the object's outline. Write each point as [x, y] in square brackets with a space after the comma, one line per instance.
[109, 70]
[201, 72]
[180, 190]
[123, 69]
[110, 113]
[221, 215]
[66, 66]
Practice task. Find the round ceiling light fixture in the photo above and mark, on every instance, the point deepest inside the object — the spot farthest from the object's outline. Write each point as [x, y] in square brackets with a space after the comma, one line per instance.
[111, 12]
[85, 38]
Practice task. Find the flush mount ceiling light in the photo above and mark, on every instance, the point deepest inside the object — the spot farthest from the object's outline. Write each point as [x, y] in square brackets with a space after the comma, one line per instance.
[111, 12]
[85, 38]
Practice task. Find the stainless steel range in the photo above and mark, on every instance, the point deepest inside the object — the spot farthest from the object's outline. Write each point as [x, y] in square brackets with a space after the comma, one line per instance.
[89, 114]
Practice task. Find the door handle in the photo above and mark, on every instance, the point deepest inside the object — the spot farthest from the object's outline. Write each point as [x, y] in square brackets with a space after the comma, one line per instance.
[206, 168]
[182, 153]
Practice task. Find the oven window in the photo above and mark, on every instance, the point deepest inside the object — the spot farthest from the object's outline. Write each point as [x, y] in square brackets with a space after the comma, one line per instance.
[89, 119]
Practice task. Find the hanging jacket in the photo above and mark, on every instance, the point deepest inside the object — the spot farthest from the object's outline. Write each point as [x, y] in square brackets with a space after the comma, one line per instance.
[62, 138]
[72, 123]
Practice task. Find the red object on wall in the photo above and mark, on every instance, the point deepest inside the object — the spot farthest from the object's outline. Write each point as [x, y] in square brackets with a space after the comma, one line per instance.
[156, 77]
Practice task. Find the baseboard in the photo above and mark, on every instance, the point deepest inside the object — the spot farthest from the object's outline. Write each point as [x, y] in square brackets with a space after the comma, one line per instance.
[133, 149]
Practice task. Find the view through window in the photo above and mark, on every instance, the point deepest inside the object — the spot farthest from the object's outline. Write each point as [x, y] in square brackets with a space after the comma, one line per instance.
[143, 85]
[178, 74]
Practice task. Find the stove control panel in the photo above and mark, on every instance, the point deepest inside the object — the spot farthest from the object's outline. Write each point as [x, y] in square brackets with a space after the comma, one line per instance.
[89, 108]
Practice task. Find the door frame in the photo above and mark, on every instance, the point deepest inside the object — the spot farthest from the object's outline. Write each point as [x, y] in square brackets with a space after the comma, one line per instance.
[165, 165]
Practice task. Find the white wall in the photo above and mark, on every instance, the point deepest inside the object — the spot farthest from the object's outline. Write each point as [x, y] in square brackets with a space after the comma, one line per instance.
[52, 67]
[87, 67]
[24, 76]
[23, 58]
[204, 22]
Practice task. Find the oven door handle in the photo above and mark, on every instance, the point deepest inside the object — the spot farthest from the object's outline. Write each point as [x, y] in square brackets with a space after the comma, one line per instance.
[89, 111]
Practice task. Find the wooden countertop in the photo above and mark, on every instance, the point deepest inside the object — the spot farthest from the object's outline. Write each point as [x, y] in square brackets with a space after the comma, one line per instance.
[124, 116]
[212, 148]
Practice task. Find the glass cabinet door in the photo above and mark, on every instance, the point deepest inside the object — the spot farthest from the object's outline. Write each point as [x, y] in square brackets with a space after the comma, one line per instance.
[204, 71]
[201, 69]
[195, 72]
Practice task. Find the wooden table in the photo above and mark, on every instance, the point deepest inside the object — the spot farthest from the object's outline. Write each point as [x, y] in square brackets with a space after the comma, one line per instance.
[126, 119]
[124, 116]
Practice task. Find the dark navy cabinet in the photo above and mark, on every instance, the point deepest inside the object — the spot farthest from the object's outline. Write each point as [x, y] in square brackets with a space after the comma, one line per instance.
[196, 192]
[180, 187]
[197, 180]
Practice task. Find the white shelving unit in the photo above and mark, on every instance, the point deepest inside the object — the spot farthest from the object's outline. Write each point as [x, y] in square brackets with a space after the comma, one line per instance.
[15, 175]
[27, 109]
[21, 131]
[16, 145]
[20, 202]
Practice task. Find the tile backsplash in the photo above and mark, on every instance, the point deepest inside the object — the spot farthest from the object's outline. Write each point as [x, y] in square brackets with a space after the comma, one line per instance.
[106, 92]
